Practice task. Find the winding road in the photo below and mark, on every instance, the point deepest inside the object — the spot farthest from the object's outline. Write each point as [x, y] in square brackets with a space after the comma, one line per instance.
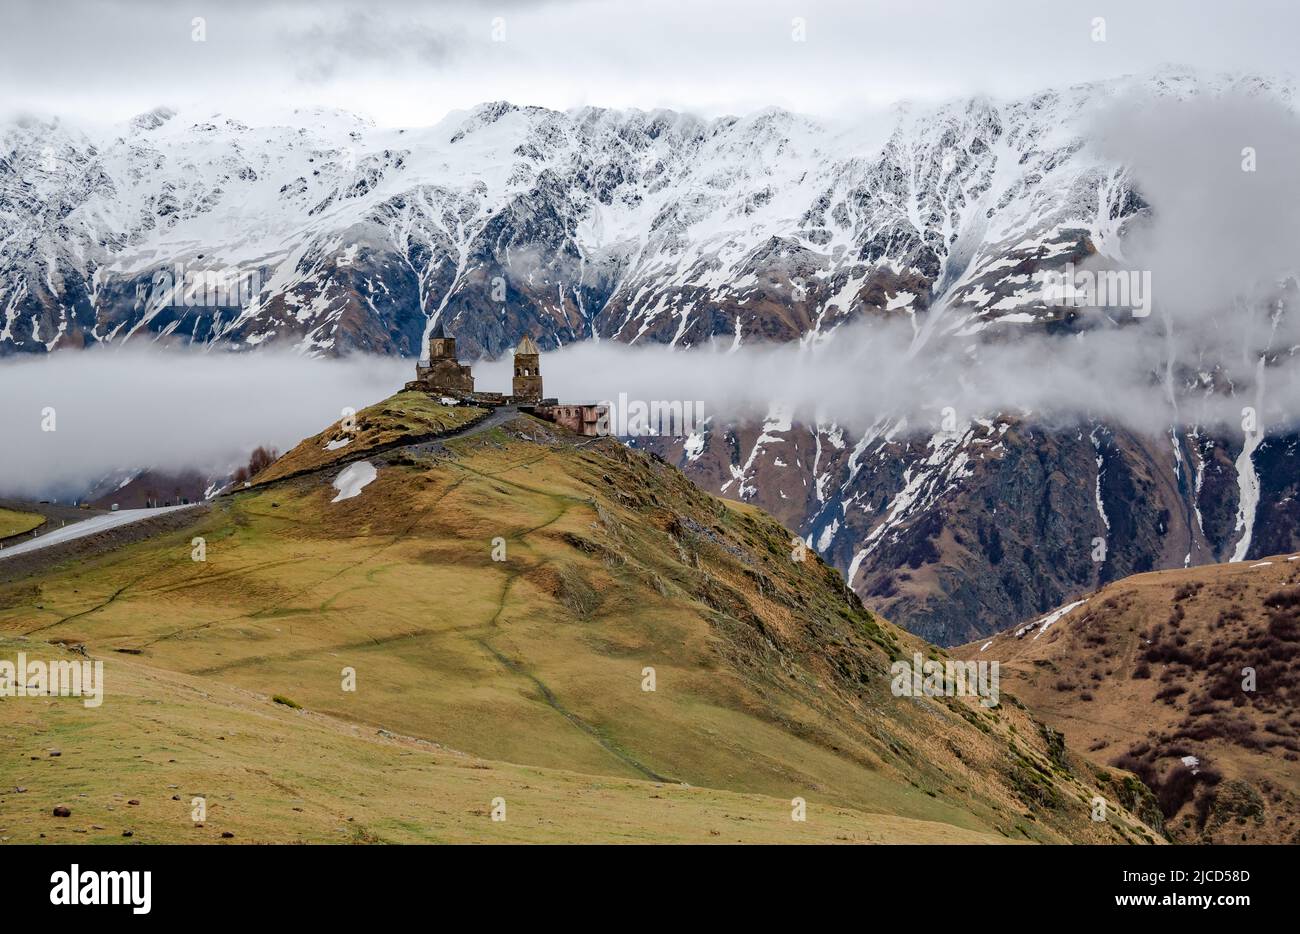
[100, 523]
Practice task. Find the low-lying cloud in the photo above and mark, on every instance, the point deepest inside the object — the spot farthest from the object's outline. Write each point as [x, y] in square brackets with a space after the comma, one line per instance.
[871, 372]
[172, 409]
[168, 410]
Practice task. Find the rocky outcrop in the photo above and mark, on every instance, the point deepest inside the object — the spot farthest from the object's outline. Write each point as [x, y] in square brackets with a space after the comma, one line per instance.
[960, 534]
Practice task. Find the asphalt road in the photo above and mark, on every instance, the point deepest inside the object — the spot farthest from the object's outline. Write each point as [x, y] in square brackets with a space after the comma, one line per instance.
[99, 523]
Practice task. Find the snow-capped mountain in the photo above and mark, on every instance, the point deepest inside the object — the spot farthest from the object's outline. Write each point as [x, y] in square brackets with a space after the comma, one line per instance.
[327, 234]
[629, 225]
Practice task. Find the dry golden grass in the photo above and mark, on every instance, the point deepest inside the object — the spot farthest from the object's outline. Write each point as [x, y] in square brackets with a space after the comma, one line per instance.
[1150, 669]
[407, 415]
[270, 774]
[771, 681]
[13, 522]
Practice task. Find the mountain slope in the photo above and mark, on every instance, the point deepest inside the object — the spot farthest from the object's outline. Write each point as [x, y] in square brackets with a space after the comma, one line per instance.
[769, 678]
[665, 227]
[1187, 678]
[271, 774]
[956, 534]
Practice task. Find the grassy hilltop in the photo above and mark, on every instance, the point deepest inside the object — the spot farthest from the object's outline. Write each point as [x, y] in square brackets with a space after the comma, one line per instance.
[518, 678]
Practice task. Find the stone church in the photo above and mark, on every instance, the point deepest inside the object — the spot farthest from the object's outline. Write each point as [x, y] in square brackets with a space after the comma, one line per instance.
[444, 372]
[528, 373]
[444, 375]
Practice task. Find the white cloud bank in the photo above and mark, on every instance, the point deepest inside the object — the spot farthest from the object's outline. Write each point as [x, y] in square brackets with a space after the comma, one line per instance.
[170, 410]
[408, 63]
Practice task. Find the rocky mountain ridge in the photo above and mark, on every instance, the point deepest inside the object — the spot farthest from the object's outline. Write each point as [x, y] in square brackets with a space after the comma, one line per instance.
[331, 235]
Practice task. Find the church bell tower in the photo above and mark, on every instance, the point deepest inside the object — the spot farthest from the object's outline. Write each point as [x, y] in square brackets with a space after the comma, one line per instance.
[528, 374]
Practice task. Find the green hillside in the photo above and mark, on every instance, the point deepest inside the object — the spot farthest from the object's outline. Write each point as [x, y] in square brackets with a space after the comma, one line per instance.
[771, 681]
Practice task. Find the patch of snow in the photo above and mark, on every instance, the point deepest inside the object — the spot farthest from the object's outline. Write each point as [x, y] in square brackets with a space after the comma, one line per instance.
[100, 523]
[827, 535]
[1247, 477]
[901, 300]
[1101, 468]
[1057, 614]
[693, 446]
[353, 479]
[1048, 620]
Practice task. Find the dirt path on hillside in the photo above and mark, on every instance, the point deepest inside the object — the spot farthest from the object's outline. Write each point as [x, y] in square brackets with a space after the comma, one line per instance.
[603, 741]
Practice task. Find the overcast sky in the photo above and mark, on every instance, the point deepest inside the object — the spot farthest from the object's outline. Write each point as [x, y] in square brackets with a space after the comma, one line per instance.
[408, 63]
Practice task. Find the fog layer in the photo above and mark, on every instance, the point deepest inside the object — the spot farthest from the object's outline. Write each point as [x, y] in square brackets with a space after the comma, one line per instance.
[169, 410]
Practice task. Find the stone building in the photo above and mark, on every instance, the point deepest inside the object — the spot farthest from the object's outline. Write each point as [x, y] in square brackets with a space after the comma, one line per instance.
[583, 418]
[528, 372]
[446, 376]
[444, 373]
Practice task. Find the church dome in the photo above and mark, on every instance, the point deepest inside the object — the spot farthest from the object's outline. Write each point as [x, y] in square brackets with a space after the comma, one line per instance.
[527, 345]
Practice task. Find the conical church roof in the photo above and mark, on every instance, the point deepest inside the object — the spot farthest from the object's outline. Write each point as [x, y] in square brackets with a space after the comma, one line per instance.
[439, 332]
[527, 345]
